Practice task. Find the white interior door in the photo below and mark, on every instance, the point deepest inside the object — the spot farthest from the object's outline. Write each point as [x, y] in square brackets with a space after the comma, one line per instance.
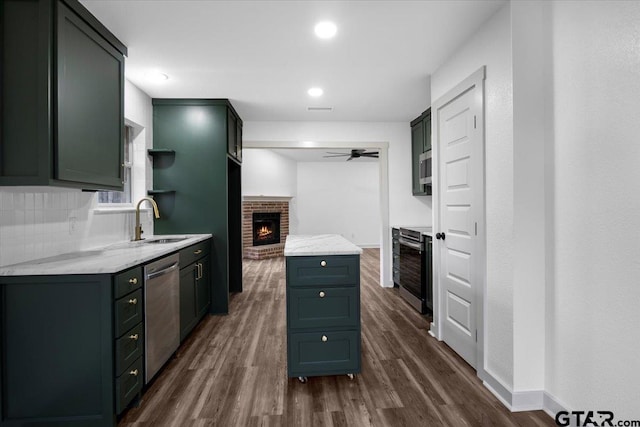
[460, 191]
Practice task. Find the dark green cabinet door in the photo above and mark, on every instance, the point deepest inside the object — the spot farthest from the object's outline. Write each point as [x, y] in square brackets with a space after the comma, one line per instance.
[231, 133]
[188, 318]
[239, 141]
[323, 353]
[420, 142]
[323, 307]
[90, 105]
[203, 287]
[417, 148]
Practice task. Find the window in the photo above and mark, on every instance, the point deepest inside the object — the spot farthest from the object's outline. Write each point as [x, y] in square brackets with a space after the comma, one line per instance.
[122, 197]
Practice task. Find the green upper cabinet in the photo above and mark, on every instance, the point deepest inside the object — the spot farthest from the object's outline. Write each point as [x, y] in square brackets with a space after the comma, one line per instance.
[420, 143]
[62, 97]
[234, 135]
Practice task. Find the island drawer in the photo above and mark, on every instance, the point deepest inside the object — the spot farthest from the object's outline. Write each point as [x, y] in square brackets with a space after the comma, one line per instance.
[129, 347]
[323, 270]
[194, 252]
[128, 312]
[323, 307]
[324, 353]
[128, 281]
[128, 385]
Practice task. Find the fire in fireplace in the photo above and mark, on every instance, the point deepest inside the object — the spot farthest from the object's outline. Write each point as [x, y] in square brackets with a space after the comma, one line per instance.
[266, 228]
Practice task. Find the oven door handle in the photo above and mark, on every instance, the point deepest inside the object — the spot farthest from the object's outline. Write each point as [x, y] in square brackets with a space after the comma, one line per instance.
[412, 245]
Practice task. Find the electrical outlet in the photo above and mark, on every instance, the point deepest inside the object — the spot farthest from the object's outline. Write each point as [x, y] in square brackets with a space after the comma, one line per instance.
[72, 224]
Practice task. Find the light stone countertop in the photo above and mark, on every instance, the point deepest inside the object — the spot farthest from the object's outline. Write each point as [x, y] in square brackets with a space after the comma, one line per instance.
[319, 244]
[108, 259]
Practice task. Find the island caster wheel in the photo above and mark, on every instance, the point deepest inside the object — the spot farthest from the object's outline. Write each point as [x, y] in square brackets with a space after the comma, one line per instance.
[351, 376]
[302, 379]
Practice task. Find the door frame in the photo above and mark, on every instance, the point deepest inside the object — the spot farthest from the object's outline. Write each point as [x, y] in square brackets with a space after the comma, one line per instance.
[386, 277]
[477, 80]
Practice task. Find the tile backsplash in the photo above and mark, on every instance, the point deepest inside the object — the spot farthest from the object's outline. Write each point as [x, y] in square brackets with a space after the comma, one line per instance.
[38, 222]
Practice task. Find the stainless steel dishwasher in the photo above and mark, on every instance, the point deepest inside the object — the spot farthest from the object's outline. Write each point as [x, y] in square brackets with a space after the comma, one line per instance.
[162, 312]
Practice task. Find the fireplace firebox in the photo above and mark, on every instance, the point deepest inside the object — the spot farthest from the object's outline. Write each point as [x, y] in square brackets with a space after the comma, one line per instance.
[266, 228]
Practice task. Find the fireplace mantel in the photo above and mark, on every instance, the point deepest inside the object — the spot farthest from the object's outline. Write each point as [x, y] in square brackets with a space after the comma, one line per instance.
[262, 198]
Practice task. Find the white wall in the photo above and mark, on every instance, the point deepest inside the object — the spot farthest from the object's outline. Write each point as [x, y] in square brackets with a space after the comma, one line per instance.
[491, 46]
[592, 309]
[267, 173]
[404, 208]
[340, 198]
[38, 222]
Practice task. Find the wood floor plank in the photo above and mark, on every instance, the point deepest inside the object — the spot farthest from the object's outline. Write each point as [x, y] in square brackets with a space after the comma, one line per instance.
[231, 371]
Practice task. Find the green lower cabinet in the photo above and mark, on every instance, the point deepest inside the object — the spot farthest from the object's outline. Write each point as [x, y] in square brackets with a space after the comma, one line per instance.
[325, 307]
[195, 292]
[72, 348]
[128, 385]
[324, 353]
[188, 319]
[323, 315]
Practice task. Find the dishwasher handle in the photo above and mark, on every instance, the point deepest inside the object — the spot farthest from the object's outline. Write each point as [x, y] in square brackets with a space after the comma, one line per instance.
[163, 271]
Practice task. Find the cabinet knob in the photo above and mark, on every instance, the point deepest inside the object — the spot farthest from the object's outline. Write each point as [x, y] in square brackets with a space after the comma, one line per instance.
[323, 263]
[133, 301]
[133, 280]
[134, 337]
[324, 338]
[322, 294]
[134, 372]
[198, 252]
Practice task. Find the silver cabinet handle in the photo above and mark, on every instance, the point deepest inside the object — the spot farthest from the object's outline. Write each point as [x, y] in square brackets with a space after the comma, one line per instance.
[134, 372]
[133, 337]
[322, 294]
[133, 301]
[324, 338]
[323, 263]
[133, 281]
[198, 252]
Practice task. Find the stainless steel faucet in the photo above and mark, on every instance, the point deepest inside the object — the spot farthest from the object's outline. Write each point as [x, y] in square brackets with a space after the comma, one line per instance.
[138, 230]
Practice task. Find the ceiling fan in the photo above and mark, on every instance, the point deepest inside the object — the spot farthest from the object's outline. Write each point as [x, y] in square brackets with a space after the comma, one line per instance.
[354, 154]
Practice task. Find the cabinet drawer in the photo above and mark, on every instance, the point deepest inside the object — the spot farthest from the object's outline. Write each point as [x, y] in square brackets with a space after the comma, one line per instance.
[323, 270]
[194, 252]
[128, 312]
[323, 307]
[128, 281]
[129, 347]
[128, 385]
[309, 354]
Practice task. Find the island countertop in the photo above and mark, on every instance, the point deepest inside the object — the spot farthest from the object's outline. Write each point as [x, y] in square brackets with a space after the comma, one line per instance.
[108, 259]
[319, 244]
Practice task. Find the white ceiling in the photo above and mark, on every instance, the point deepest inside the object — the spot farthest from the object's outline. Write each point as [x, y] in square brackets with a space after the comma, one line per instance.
[263, 55]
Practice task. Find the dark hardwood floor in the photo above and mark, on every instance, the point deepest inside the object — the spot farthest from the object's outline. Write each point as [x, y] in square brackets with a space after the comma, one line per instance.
[231, 371]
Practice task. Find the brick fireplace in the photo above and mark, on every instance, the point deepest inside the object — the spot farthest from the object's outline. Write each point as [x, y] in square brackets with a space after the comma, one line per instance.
[265, 208]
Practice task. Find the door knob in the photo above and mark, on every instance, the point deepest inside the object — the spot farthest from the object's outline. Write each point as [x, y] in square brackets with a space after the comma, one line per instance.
[440, 236]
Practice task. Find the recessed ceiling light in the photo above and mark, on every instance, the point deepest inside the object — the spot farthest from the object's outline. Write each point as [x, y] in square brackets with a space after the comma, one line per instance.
[315, 91]
[325, 29]
[155, 76]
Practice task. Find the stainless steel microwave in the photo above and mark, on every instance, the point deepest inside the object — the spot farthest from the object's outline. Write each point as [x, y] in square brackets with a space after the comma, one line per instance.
[425, 167]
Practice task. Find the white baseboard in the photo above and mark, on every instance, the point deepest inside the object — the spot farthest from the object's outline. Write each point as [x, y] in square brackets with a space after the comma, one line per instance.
[530, 400]
[551, 405]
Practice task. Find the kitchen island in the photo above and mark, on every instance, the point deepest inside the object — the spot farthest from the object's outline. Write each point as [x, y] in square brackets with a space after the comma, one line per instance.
[323, 306]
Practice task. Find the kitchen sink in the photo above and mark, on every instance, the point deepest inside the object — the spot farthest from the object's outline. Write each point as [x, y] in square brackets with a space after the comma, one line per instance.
[166, 240]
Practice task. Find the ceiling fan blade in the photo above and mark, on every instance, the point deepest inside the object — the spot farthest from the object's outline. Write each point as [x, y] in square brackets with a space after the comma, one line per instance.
[369, 155]
[338, 155]
[342, 154]
[350, 158]
[358, 150]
